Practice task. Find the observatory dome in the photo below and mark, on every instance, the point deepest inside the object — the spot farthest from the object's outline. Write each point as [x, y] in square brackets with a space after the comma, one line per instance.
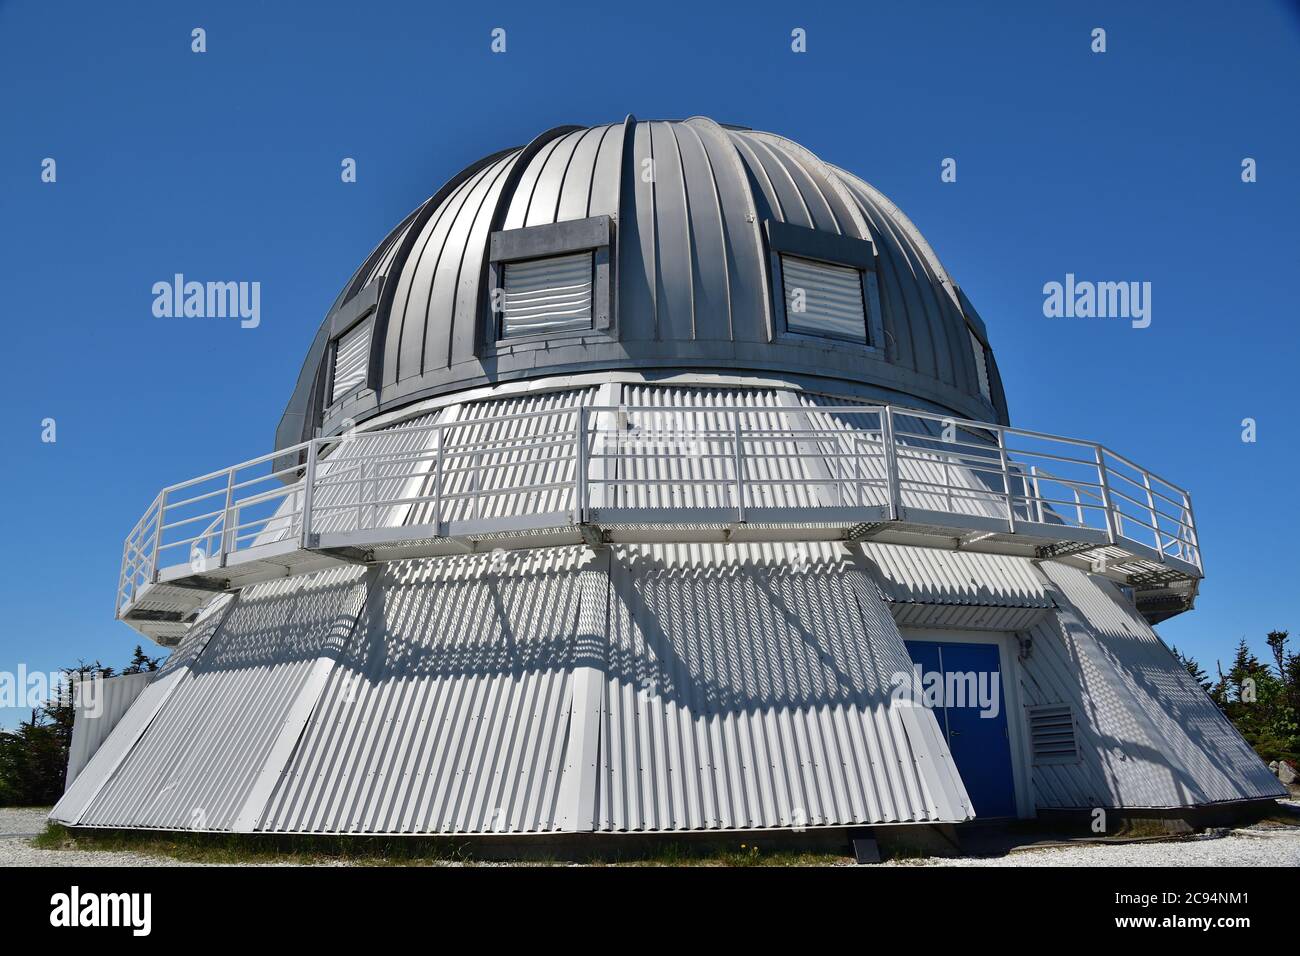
[655, 246]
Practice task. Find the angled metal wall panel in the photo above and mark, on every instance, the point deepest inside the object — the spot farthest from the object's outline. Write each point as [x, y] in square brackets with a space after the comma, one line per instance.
[1150, 736]
[194, 765]
[931, 576]
[97, 715]
[742, 693]
[448, 712]
[109, 756]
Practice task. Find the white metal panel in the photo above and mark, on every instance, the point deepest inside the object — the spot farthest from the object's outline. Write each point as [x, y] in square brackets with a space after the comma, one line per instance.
[743, 692]
[1148, 735]
[930, 576]
[98, 708]
[544, 296]
[109, 756]
[823, 299]
[351, 358]
[196, 762]
[520, 442]
[449, 711]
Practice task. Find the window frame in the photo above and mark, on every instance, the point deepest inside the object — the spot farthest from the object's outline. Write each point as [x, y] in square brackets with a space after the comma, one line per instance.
[833, 249]
[550, 241]
[361, 308]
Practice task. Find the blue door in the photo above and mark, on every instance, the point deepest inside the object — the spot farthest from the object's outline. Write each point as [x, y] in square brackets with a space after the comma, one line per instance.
[973, 716]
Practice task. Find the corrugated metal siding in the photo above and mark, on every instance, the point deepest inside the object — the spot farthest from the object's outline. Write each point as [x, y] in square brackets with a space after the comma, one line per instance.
[201, 754]
[701, 472]
[932, 576]
[448, 712]
[1150, 737]
[120, 742]
[823, 299]
[962, 617]
[728, 708]
[531, 450]
[98, 710]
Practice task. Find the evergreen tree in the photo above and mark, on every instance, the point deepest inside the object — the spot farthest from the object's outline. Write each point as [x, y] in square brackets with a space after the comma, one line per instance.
[1193, 668]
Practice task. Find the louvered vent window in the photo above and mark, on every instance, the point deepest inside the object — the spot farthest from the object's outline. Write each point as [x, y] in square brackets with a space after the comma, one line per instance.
[1051, 734]
[543, 296]
[351, 358]
[981, 364]
[823, 299]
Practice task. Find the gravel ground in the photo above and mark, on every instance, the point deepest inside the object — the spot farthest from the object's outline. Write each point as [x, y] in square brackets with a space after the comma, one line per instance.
[1250, 846]
[18, 826]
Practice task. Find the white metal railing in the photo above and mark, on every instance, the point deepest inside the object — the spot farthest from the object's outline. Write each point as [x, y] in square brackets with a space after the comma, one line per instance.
[664, 466]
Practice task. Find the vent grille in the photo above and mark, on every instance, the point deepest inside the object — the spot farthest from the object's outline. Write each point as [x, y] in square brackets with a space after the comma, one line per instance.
[1052, 734]
[981, 364]
[823, 299]
[542, 296]
[351, 357]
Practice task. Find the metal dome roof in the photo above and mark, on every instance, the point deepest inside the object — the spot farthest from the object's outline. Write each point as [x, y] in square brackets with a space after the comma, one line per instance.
[693, 211]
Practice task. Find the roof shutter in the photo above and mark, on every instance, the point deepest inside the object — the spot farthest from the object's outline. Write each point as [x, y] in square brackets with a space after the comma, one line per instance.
[542, 296]
[1051, 734]
[823, 299]
[351, 358]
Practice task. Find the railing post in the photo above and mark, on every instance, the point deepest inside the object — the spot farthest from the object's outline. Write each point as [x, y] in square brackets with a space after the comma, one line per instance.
[580, 460]
[1006, 480]
[437, 480]
[1155, 517]
[1191, 530]
[1112, 531]
[1038, 493]
[157, 536]
[739, 467]
[227, 542]
[309, 495]
[891, 463]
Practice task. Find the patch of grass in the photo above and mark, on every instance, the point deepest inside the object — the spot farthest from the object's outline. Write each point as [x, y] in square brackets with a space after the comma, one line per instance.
[236, 849]
[277, 849]
[55, 836]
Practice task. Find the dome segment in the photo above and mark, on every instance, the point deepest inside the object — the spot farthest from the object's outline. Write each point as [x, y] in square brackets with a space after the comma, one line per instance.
[695, 235]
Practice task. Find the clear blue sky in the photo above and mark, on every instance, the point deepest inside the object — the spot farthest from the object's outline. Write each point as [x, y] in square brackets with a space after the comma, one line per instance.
[225, 165]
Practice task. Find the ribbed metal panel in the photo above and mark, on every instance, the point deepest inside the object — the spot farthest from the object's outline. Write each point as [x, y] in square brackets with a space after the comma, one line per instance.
[1148, 735]
[743, 693]
[781, 472]
[120, 742]
[932, 576]
[967, 617]
[350, 357]
[823, 299]
[448, 712]
[534, 447]
[547, 295]
[98, 710]
[198, 760]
